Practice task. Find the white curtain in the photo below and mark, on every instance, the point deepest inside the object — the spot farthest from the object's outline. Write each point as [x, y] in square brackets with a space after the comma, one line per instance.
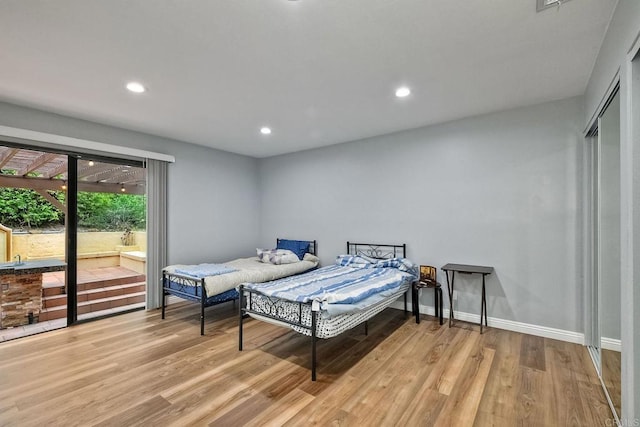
[156, 230]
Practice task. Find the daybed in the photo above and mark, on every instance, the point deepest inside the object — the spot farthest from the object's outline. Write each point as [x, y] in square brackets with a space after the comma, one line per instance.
[331, 300]
[211, 284]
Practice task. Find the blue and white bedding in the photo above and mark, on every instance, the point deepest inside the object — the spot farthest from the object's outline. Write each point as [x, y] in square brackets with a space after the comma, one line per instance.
[204, 270]
[353, 283]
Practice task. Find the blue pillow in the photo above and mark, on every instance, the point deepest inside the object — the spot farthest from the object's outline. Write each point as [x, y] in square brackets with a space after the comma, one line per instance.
[298, 247]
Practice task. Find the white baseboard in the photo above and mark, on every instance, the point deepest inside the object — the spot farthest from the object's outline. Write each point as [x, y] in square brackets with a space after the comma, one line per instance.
[509, 325]
[611, 344]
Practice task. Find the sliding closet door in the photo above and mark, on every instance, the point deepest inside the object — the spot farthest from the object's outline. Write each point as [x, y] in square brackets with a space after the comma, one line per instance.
[608, 248]
[592, 303]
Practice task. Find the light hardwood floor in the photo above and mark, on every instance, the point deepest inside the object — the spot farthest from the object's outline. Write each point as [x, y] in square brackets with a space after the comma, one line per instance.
[137, 369]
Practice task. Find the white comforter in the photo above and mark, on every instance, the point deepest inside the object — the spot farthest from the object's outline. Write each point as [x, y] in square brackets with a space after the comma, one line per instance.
[251, 270]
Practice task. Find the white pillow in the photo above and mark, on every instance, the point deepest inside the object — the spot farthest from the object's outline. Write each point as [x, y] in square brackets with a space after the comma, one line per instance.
[311, 257]
[277, 256]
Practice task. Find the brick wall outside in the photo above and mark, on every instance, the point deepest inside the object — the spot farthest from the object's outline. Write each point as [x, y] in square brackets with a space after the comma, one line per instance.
[20, 295]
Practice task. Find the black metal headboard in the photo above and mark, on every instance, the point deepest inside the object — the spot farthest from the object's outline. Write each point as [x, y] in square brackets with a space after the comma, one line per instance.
[377, 251]
[313, 246]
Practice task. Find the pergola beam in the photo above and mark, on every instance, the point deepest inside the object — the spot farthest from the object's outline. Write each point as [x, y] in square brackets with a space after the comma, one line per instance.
[105, 187]
[129, 176]
[55, 202]
[7, 156]
[62, 168]
[56, 185]
[95, 171]
[39, 161]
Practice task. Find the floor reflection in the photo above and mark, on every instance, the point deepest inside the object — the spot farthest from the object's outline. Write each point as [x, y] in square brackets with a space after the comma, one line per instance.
[611, 372]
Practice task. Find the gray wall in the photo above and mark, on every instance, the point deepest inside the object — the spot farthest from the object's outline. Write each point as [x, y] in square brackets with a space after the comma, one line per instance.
[500, 189]
[622, 31]
[213, 205]
[212, 194]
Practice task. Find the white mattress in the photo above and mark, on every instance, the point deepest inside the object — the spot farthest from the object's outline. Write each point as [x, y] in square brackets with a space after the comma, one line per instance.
[251, 270]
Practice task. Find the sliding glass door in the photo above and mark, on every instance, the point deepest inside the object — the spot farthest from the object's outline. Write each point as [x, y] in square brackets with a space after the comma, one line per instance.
[79, 225]
[111, 237]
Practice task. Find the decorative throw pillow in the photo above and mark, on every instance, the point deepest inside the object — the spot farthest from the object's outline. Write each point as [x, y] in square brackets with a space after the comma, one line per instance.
[277, 256]
[298, 247]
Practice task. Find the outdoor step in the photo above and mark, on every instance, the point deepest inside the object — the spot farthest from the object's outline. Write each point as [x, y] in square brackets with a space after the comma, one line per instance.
[110, 311]
[56, 288]
[53, 290]
[92, 306]
[54, 301]
[58, 312]
[111, 282]
[92, 279]
[112, 291]
[93, 294]
[110, 302]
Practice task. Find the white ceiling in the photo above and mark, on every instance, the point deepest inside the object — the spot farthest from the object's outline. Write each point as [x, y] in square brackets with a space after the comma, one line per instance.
[318, 72]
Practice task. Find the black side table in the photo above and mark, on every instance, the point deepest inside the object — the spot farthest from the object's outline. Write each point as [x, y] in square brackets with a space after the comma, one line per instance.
[467, 269]
[437, 290]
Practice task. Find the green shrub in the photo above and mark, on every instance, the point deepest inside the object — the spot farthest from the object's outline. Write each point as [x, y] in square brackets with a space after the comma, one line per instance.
[23, 208]
[111, 212]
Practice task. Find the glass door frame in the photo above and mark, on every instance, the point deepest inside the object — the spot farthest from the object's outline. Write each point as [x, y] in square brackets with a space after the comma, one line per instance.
[71, 247]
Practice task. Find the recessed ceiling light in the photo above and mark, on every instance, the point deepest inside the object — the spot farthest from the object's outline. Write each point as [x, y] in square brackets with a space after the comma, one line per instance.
[136, 87]
[402, 92]
[265, 130]
[545, 4]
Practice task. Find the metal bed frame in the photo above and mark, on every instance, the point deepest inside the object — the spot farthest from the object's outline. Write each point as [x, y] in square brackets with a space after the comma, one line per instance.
[276, 305]
[185, 283]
